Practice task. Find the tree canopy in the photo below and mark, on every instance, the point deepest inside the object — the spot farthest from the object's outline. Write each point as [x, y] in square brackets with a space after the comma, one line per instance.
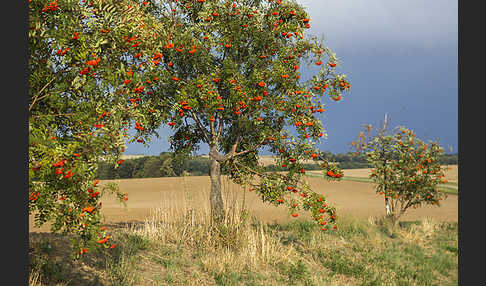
[222, 73]
[228, 76]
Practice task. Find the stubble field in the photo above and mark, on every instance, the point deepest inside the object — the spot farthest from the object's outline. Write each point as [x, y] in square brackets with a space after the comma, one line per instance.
[357, 199]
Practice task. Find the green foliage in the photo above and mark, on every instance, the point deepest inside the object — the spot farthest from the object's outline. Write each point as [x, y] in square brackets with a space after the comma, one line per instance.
[224, 278]
[121, 261]
[295, 273]
[197, 166]
[78, 111]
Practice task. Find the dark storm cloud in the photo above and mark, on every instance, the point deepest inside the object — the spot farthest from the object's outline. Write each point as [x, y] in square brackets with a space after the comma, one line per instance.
[401, 59]
[374, 23]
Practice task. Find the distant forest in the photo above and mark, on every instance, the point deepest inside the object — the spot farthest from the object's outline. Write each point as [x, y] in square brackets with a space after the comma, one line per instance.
[169, 164]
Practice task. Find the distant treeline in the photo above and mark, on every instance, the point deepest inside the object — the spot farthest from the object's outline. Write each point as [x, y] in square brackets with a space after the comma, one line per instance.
[165, 165]
[171, 165]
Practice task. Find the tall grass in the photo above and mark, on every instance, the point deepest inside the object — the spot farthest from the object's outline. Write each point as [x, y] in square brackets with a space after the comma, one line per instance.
[238, 236]
[34, 278]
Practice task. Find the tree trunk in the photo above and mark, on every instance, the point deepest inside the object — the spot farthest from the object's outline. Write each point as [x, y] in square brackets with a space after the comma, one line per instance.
[387, 207]
[216, 198]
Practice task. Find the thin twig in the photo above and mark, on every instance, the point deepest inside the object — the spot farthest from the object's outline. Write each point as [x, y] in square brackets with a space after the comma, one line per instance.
[39, 93]
[253, 171]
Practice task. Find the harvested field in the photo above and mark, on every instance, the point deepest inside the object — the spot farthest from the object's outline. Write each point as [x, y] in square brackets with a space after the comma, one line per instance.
[451, 174]
[181, 193]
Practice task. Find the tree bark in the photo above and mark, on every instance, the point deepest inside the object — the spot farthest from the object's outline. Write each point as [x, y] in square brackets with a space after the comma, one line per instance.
[216, 198]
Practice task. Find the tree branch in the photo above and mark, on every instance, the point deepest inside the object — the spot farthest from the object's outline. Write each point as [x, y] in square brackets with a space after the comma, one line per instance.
[201, 127]
[406, 206]
[251, 149]
[230, 154]
[220, 127]
[172, 16]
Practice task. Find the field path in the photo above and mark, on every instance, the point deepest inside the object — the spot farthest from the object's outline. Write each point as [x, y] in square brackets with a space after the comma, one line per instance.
[181, 193]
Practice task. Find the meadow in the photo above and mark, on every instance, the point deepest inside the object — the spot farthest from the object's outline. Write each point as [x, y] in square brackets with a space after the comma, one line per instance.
[164, 238]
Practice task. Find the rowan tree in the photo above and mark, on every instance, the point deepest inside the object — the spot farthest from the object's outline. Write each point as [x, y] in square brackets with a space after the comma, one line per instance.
[229, 78]
[219, 73]
[79, 110]
[405, 169]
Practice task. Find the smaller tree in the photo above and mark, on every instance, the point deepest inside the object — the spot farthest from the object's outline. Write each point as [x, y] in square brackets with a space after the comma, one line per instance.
[405, 169]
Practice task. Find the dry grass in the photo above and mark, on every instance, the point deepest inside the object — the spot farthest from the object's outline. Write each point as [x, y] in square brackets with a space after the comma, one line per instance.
[35, 278]
[176, 244]
[420, 234]
[239, 238]
[175, 248]
[244, 250]
[240, 246]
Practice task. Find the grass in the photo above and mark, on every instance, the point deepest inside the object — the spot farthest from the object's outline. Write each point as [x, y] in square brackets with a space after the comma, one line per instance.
[178, 245]
[360, 252]
[451, 183]
[448, 190]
